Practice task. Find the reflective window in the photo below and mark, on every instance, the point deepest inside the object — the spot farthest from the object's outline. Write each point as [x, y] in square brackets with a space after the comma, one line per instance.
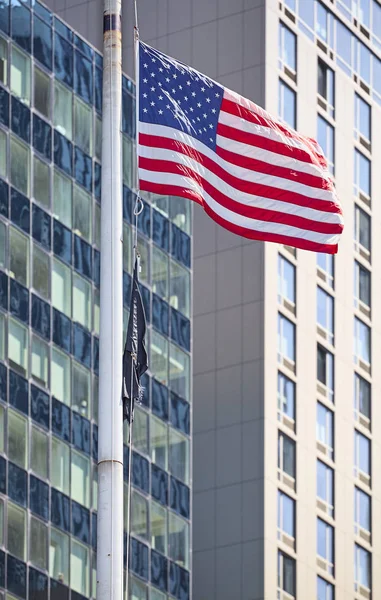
[79, 568]
[139, 515]
[179, 288]
[325, 264]
[287, 104]
[286, 396]
[17, 438]
[40, 361]
[286, 514]
[39, 452]
[324, 485]
[363, 566]
[362, 349]
[325, 590]
[179, 456]
[127, 245]
[2, 336]
[362, 118]
[362, 393]
[362, 231]
[16, 523]
[286, 338]
[59, 556]
[18, 347]
[3, 154]
[325, 542]
[41, 271]
[325, 370]
[159, 357]
[128, 162]
[38, 543]
[81, 301]
[81, 395]
[179, 372]
[61, 379]
[2, 434]
[98, 138]
[159, 528]
[3, 61]
[321, 22]
[179, 540]
[60, 466]
[42, 100]
[286, 455]
[324, 428]
[3, 244]
[61, 287]
[41, 181]
[160, 273]
[20, 75]
[159, 443]
[80, 478]
[180, 213]
[83, 127]
[286, 280]
[20, 166]
[362, 280]
[63, 111]
[324, 316]
[62, 198]
[286, 574]
[82, 218]
[362, 454]
[19, 256]
[326, 139]
[145, 262]
[287, 48]
[141, 437]
[326, 85]
[362, 517]
[361, 185]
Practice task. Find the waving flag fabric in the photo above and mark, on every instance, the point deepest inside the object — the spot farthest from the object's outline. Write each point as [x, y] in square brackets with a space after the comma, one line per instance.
[251, 173]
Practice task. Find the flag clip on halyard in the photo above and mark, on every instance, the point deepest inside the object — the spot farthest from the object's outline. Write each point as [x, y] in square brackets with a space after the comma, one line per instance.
[253, 174]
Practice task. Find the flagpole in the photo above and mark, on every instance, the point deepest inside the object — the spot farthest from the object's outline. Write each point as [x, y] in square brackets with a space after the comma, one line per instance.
[110, 433]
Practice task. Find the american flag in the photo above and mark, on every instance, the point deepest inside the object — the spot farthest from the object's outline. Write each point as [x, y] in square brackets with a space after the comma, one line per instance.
[251, 173]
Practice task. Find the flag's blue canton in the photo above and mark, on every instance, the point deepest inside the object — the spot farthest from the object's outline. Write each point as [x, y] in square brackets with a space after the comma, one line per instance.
[177, 96]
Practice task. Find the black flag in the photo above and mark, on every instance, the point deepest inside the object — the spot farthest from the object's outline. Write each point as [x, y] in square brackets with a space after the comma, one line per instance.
[135, 356]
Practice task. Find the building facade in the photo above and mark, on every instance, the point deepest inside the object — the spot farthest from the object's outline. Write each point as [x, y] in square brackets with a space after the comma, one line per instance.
[50, 192]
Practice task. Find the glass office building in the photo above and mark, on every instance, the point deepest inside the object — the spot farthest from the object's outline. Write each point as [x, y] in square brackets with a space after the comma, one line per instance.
[50, 192]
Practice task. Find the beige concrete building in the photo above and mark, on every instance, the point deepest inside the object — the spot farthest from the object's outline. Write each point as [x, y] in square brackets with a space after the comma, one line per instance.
[287, 423]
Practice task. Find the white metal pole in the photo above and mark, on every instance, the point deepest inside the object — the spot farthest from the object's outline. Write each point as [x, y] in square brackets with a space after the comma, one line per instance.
[110, 435]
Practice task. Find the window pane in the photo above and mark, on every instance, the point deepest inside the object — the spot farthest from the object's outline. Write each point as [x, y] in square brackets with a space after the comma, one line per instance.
[179, 456]
[287, 47]
[145, 262]
[61, 287]
[324, 315]
[362, 567]
[2, 428]
[81, 397]
[59, 556]
[179, 540]
[324, 426]
[160, 203]
[63, 112]
[98, 138]
[180, 213]
[180, 288]
[362, 117]
[325, 138]
[362, 453]
[141, 430]
[362, 393]
[160, 273]
[159, 443]
[81, 301]
[80, 478]
[286, 455]
[62, 199]
[286, 280]
[19, 256]
[39, 453]
[3, 61]
[95, 487]
[97, 226]
[60, 466]
[20, 167]
[179, 371]
[138, 591]
[82, 213]
[41, 181]
[324, 484]
[96, 311]
[159, 357]
[158, 528]
[286, 514]
[18, 346]
[3, 244]
[38, 543]
[286, 396]
[17, 439]
[361, 175]
[362, 511]
[60, 386]
[287, 104]
[362, 228]
[324, 589]
[3, 154]
[1, 521]
[42, 92]
[40, 361]
[362, 341]
[139, 516]
[41, 272]
[286, 338]
[16, 531]
[2, 336]
[20, 75]
[79, 568]
[128, 150]
[83, 125]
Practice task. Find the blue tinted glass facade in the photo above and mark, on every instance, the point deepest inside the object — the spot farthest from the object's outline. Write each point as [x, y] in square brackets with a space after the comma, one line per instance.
[50, 192]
